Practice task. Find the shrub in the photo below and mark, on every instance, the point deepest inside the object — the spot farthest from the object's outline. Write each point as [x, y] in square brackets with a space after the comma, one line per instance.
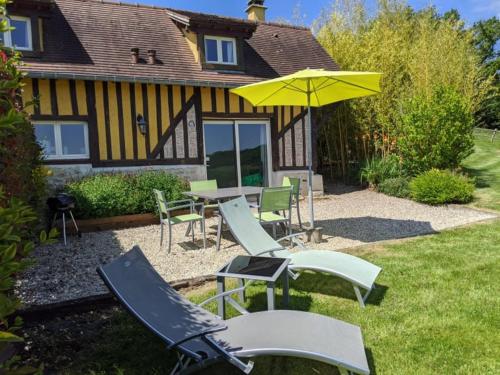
[436, 131]
[440, 187]
[376, 170]
[104, 195]
[396, 187]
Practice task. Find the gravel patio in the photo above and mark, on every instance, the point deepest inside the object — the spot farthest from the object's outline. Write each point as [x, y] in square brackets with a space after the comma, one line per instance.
[348, 218]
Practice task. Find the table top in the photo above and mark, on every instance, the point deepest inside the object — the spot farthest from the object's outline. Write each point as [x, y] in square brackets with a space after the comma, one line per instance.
[225, 193]
[254, 268]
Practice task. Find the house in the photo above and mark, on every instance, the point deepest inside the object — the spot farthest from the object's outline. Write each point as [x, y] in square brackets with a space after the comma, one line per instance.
[125, 86]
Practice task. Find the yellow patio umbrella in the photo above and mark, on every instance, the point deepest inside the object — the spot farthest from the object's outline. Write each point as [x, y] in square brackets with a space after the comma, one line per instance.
[311, 88]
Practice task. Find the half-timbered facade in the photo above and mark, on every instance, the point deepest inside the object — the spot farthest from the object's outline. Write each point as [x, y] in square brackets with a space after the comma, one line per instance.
[122, 86]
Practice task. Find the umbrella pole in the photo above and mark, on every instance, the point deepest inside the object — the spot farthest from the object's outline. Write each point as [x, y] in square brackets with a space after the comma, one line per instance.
[309, 156]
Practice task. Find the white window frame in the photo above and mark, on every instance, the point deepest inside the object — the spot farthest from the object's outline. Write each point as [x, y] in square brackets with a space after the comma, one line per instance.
[236, 124]
[7, 36]
[58, 139]
[219, 40]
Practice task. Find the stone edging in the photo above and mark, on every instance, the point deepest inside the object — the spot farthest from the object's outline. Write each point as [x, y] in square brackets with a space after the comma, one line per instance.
[49, 311]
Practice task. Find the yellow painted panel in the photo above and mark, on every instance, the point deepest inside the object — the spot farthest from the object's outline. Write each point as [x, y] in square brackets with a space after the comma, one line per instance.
[296, 111]
[45, 103]
[164, 109]
[127, 122]
[27, 95]
[114, 130]
[141, 139]
[234, 103]
[81, 98]
[152, 117]
[270, 109]
[206, 99]
[247, 107]
[189, 92]
[260, 109]
[287, 118]
[219, 99]
[192, 41]
[101, 126]
[63, 97]
[176, 92]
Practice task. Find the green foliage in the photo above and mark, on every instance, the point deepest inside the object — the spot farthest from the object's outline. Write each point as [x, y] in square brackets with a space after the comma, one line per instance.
[377, 170]
[441, 187]
[16, 219]
[21, 173]
[408, 47]
[396, 187]
[105, 195]
[436, 131]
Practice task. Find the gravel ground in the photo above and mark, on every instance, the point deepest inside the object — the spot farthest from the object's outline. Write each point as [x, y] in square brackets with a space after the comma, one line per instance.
[348, 218]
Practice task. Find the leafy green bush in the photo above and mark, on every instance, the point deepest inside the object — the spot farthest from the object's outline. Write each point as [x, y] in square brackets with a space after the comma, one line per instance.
[105, 195]
[440, 187]
[376, 170]
[396, 187]
[436, 131]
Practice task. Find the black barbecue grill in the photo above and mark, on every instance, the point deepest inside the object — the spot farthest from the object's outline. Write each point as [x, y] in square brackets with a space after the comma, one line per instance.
[60, 205]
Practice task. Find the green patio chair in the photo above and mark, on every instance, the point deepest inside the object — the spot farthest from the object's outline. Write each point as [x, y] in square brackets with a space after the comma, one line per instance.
[165, 210]
[294, 182]
[255, 240]
[204, 185]
[273, 201]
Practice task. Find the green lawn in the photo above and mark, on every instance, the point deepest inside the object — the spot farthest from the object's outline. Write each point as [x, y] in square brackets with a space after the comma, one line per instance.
[484, 165]
[436, 310]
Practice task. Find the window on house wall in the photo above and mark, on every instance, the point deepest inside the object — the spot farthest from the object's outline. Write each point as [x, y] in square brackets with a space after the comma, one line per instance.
[63, 140]
[220, 50]
[20, 36]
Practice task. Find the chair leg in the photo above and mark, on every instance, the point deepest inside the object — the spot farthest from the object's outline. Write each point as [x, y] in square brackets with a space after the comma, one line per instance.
[298, 215]
[161, 234]
[169, 237]
[274, 230]
[204, 234]
[360, 297]
[219, 232]
[192, 231]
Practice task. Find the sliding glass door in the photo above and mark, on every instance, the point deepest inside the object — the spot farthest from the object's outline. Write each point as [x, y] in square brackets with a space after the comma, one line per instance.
[237, 153]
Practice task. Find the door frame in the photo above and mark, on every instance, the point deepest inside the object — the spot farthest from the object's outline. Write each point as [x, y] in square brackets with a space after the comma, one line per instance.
[236, 124]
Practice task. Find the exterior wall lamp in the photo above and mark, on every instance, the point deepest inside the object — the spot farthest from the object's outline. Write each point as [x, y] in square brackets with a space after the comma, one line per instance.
[142, 124]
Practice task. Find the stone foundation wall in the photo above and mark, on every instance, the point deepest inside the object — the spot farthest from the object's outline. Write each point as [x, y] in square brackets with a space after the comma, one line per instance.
[62, 174]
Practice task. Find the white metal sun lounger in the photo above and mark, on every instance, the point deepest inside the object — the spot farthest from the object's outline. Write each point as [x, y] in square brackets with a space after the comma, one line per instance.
[256, 241]
[202, 338]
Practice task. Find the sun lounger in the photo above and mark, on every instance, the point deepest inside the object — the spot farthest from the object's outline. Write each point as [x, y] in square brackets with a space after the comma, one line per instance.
[256, 241]
[201, 338]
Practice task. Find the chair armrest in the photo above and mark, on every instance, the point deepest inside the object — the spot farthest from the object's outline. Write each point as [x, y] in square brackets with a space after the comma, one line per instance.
[170, 203]
[269, 251]
[293, 238]
[170, 209]
[224, 294]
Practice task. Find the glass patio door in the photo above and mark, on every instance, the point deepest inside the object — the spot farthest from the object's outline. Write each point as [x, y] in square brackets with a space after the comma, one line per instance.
[237, 153]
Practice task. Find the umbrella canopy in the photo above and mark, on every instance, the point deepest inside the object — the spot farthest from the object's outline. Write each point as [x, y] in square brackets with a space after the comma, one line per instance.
[311, 88]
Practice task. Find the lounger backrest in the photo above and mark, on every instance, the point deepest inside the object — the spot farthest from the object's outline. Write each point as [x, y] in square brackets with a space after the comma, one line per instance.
[247, 229]
[154, 302]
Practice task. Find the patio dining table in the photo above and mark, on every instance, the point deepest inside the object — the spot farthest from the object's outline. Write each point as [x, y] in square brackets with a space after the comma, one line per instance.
[223, 194]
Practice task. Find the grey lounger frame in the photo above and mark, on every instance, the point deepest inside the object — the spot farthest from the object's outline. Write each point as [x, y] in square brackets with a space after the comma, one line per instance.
[256, 241]
[202, 338]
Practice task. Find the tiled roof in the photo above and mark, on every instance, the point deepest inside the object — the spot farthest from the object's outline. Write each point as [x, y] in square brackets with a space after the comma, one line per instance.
[92, 39]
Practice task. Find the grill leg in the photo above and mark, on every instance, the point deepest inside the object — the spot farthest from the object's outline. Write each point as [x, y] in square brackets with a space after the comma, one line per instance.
[74, 223]
[64, 228]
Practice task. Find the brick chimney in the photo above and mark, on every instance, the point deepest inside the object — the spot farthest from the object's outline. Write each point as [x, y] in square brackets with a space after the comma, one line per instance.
[134, 55]
[151, 56]
[256, 11]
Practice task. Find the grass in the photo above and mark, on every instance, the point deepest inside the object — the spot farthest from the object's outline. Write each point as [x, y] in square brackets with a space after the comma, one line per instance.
[435, 310]
[484, 165]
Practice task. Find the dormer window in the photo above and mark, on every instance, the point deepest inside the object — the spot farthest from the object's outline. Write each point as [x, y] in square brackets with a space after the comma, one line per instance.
[20, 37]
[220, 50]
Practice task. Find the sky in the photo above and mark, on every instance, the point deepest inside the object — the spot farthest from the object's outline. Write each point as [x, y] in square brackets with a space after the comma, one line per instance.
[470, 10]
